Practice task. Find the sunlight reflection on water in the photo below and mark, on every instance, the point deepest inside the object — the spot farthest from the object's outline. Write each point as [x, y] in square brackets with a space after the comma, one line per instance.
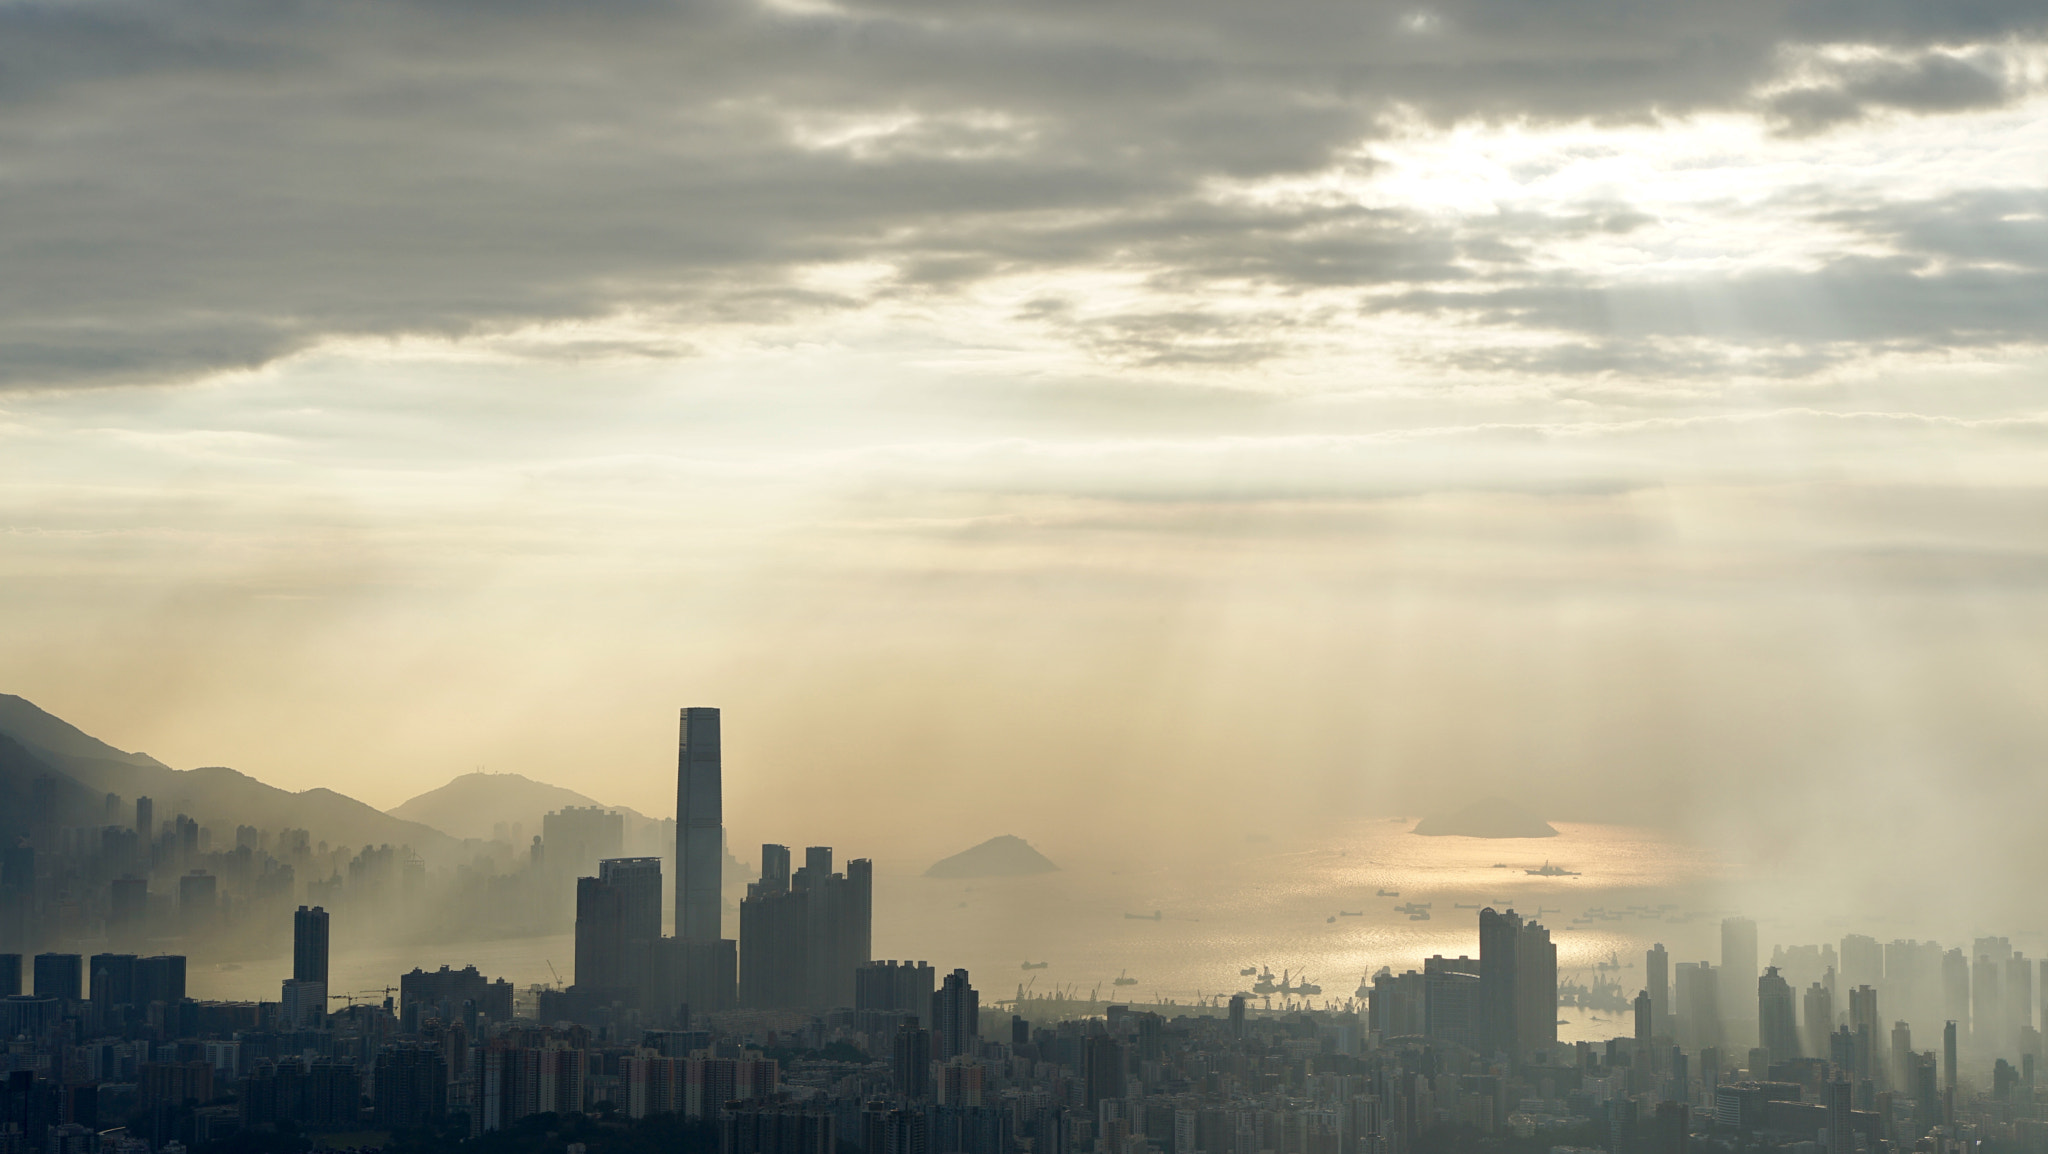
[1220, 913]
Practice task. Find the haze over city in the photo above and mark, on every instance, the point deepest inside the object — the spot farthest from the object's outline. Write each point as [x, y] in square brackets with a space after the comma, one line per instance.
[1123, 476]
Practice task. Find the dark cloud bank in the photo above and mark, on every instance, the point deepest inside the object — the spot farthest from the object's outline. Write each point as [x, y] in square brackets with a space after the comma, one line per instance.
[190, 186]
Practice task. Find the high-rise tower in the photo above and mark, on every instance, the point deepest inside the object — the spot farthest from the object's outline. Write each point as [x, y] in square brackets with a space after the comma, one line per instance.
[639, 879]
[700, 826]
[618, 922]
[1738, 974]
[803, 938]
[619, 927]
[956, 1018]
[1777, 1023]
[1517, 985]
[1657, 978]
[309, 945]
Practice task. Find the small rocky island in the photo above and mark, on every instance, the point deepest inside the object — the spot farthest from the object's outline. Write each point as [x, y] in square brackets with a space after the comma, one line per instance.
[1007, 856]
[1490, 818]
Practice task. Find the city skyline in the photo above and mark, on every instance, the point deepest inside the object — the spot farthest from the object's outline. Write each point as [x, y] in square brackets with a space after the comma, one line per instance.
[571, 842]
[794, 1032]
[920, 577]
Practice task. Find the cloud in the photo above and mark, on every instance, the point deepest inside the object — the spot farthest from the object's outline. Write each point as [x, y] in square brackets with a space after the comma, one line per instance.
[1776, 322]
[1932, 82]
[204, 186]
[1984, 228]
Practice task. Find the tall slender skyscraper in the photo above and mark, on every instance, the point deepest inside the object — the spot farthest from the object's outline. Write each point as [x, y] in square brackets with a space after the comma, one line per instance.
[309, 945]
[304, 997]
[1987, 1005]
[1864, 1025]
[1657, 978]
[1777, 1020]
[1699, 1005]
[1497, 980]
[1838, 1098]
[913, 1065]
[956, 1018]
[1738, 975]
[1820, 1019]
[1925, 1091]
[700, 826]
[707, 963]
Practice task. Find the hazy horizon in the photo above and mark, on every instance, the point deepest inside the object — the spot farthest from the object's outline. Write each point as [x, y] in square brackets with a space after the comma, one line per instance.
[1142, 424]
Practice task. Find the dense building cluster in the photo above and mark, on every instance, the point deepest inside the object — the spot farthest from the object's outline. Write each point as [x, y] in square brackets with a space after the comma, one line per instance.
[1801, 1055]
[793, 1039]
[127, 876]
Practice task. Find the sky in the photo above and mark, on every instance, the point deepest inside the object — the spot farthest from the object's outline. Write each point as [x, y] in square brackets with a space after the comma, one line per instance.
[1046, 418]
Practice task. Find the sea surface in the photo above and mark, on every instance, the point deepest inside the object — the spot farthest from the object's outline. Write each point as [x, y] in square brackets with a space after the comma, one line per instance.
[1220, 909]
[1289, 909]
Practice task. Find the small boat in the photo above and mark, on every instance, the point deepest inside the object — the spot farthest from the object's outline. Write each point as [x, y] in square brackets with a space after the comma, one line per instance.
[1331, 919]
[1248, 971]
[1036, 965]
[1390, 893]
[1551, 871]
[1122, 980]
[1421, 917]
[1463, 906]
[1350, 913]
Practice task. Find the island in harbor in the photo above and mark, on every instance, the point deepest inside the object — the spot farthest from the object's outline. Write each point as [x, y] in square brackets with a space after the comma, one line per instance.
[1007, 856]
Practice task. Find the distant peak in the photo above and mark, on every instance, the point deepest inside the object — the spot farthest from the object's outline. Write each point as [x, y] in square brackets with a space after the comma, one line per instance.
[1006, 855]
[473, 803]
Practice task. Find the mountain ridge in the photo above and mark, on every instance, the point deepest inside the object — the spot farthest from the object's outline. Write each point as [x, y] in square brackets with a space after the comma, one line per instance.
[39, 729]
[215, 795]
[472, 804]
